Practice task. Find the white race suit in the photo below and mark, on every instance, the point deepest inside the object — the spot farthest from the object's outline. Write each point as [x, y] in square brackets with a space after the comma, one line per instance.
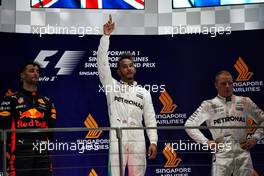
[127, 105]
[218, 112]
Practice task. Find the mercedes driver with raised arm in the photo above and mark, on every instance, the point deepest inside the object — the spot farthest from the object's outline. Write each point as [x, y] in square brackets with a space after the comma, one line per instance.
[128, 104]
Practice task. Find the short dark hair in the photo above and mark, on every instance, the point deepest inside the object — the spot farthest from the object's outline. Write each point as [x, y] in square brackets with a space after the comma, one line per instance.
[221, 73]
[124, 56]
[24, 65]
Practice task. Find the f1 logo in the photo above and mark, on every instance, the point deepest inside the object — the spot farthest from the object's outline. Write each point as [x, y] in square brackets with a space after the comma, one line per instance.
[66, 63]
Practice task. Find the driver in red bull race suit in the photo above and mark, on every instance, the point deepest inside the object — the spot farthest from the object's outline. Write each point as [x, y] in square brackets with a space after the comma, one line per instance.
[27, 109]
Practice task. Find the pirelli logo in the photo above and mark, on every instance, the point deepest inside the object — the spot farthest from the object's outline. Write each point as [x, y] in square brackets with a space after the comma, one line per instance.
[93, 173]
[166, 100]
[5, 113]
[243, 70]
[91, 123]
[171, 156]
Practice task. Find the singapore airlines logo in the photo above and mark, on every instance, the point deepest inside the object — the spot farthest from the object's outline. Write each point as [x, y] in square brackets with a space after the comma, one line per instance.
[243, 70]
[93, 173]
[166, 100]
[171, 156]
[91, 123]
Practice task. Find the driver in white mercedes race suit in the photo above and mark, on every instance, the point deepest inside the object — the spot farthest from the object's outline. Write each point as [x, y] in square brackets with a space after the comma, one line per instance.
[127, 103]
[227, 109]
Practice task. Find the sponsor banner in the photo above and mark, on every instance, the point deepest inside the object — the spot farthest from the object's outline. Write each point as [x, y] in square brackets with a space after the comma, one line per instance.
[140, 61]
[244, 81]
[167, 115]
[173, 165]
[93, 136]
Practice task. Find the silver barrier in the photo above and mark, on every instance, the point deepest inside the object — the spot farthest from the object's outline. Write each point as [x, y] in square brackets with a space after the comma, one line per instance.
[118, 134]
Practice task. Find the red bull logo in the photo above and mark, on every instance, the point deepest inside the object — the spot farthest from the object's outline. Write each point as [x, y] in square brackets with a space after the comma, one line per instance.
[31, 113]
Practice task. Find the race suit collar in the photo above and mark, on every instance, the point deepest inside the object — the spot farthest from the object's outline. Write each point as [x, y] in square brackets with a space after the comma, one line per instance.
[123, 82]
[226, 99]
[29, 93]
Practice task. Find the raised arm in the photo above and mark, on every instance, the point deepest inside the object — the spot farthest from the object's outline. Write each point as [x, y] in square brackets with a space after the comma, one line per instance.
[102, 55]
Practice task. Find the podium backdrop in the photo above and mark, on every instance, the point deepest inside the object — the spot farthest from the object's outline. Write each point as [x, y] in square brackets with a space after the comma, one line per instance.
[179, 72]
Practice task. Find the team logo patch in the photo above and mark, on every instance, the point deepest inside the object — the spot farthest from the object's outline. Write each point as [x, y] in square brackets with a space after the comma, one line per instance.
[41, 101]
[139, 95]
[20, 100]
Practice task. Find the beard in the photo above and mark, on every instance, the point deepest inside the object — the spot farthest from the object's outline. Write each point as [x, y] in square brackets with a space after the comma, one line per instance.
[33, 82]
[128, 77]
